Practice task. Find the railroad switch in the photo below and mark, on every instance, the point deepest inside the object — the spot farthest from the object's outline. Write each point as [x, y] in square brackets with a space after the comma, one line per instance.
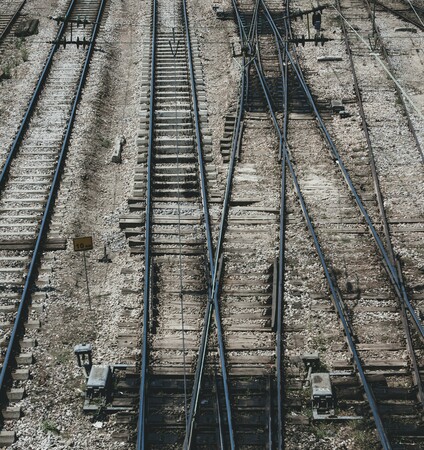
[322, 397]
[107, 385]
[245, 50]
[99, 382]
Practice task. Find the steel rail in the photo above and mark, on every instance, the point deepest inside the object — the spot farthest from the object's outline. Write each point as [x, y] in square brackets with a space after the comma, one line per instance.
[252, 38]
[34, 99]
[390, 268]
[281, 255]
[12, 20]
[213, 305]
[198, 140]
[281, 263]
[281, 252]
[141, 432]
[377, 189]
[334, 292]
[398, 89]
[332, 285]
[400, 15]
[45, 222]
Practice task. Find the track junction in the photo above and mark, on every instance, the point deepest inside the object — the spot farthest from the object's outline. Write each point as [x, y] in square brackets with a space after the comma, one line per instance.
[261, 269]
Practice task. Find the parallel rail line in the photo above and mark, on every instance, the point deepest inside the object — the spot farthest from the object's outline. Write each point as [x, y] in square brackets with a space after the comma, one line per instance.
[7, 22]
[176, 50]
[391, 269]
[47, 175]
[386, 55]
[34, 99]
[184, 265]
[406, 14]
[334, 290]
[383, 217]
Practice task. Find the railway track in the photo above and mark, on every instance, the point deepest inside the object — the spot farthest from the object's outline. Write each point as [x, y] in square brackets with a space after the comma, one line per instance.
[21, 61]
[177, 233]
[229, 398]
[249, 343]
[29, 182]
[405, 10]
[361, 301]
[9, 16]
[412, 113]
[213, 371]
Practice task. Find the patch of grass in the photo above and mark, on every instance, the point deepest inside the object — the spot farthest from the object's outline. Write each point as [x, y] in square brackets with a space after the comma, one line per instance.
[364, 441]
[7, 71]
[362, 432]
[49, 426]
[319, 343]
[19, 42]
[62, 358]
[320, 431]
[24, 54]
[105, 143]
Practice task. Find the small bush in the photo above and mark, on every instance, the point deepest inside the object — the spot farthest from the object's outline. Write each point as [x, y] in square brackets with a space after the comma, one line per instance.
[24, 54]
[7, 72]
[50, 426]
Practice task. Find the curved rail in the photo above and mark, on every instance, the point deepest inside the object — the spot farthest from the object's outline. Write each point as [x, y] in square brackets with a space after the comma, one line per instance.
[338, 302]
[282, 239]
[147, 253]
[45, 222]
[399, 14]
[398, 88]
[12, 20]
[390, 267]
[358, 93]
[33, 102]
[214, 302]
[213, 265]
